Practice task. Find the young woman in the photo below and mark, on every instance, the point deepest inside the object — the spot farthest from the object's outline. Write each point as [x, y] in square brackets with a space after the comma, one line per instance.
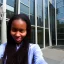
[18, 50]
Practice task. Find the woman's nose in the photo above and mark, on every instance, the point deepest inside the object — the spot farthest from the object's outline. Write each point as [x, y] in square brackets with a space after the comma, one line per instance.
[17, 33]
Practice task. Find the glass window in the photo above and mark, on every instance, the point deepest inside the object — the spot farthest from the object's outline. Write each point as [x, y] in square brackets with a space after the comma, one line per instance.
[46, 37]
[53, 2]
[46, 3]
[61, 9]
[40, 36]
[32, 20]
[52, 22]
[24, 8]
[32, 12]
[46, 13]
[0, 4]
[60, 15]
[60, 26]
[59, 4]
[60, 22]
[46, 22]
[39, 21]
[39, 2]
[32, 7]
[60, 41]
[60, 31]
[1, 1]
[26, 2]
[39, 12]
[60, 35]
[10, 2]
[33, 35]
[9, 14]
[52, 16]
[58, 1]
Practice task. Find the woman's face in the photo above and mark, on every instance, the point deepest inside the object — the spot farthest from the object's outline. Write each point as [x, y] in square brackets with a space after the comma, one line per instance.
[18, 30]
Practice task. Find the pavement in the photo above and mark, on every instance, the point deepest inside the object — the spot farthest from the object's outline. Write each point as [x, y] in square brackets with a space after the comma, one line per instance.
[54, 54]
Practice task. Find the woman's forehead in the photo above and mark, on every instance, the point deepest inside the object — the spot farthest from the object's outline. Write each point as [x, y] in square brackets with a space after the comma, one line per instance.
[19, 23]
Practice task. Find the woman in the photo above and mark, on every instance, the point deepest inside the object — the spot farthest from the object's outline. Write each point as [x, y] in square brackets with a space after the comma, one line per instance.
[18, 50]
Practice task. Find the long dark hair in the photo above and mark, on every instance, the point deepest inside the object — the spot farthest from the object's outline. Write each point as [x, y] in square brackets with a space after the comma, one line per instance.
[20, 56]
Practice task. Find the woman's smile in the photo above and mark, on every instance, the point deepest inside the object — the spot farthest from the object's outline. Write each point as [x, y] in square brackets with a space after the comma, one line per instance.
[18, 39]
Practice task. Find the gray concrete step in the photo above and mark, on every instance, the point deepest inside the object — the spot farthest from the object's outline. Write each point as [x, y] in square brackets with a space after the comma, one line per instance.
[54, 54]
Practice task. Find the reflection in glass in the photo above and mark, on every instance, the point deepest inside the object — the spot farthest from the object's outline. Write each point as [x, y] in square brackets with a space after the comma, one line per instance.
[32, 12]
[60, 41]
[60, 23]
[46, 37]
[32, 7]
[39, 13]
[52, 22]
[32, 20]
[26, 2]
[60, 30]
[33, 35]
[59, 4]
[39, 21]
[39, 2]
[58, 1]
[61, 10]
[10, 2]
[46, 13]
[9, 14]
[60, 15]
[1, 1]
[40, 36]
[24, 8]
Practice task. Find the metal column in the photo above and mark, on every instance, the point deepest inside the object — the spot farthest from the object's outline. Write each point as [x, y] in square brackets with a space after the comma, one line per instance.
[17, 7]
[3, 24]
[55, 24]
[44, 23]
[36, 21]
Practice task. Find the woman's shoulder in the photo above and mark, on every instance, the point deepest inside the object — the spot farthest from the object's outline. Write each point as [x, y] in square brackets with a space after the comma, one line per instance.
[2, 49]
[38, 55]
[3, 45]
[34, 46]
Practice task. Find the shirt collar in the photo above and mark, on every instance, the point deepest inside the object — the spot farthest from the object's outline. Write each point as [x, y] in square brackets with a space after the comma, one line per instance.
[18, 46]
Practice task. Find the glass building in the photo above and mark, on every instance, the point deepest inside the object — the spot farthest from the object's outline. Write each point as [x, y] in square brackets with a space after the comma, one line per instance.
[60, 22]
[46, 16]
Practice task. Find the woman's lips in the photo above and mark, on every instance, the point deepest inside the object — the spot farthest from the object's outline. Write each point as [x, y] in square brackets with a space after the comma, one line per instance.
[18, 39]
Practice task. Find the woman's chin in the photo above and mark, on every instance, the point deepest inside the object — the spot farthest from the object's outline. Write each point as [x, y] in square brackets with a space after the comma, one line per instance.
[18, 42]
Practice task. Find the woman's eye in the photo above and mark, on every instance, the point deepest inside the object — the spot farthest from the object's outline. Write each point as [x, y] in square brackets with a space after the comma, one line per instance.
[22, 31]
[14, 30]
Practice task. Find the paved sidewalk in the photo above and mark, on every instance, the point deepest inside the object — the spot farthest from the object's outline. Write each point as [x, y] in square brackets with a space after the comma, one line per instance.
[54, 54]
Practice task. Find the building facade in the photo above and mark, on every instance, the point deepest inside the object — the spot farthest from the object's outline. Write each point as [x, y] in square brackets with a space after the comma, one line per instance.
[46, 18]
[60, 22]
